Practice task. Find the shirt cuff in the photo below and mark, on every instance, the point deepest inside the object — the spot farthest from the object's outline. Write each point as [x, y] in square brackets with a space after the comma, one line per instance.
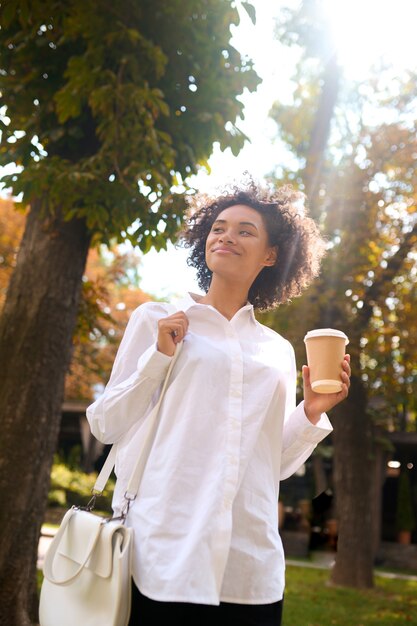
[313, 433]
[153, 363]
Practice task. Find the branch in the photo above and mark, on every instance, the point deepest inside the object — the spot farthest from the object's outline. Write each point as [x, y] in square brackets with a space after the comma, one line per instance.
[377, 290]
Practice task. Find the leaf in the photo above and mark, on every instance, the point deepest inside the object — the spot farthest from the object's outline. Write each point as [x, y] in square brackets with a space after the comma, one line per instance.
[251, 11]
[25, 14]
[8, 13]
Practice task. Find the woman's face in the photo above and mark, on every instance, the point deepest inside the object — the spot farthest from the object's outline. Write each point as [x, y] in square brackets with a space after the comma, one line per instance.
[237, 245]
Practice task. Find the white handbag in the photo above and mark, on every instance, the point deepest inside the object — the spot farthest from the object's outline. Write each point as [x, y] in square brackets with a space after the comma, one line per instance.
[87, 568]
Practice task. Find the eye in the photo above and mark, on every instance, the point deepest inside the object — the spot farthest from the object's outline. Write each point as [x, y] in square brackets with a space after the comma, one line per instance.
[216, 229]
[246, 233]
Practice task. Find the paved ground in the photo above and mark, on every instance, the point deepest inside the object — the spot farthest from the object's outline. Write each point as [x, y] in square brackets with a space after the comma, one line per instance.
[44, 541]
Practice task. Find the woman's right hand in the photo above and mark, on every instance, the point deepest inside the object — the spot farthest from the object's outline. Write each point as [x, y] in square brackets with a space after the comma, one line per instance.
[171, 330]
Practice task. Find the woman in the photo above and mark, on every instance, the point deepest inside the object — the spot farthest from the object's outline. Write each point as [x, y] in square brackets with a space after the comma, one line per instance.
[206, 530]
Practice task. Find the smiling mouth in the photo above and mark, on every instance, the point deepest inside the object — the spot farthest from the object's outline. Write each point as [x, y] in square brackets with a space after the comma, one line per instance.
[224, 251]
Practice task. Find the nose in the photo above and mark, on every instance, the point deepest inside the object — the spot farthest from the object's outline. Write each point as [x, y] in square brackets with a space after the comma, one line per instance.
[226, 237]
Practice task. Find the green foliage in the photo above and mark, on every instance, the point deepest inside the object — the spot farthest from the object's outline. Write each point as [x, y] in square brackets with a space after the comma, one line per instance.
[108, 104]
[405, 517]
[73, 487]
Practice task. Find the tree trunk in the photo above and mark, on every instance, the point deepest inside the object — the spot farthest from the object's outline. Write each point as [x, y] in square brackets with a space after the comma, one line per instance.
[319, 473]
[379, 479]
[36, 331]
[354, 483]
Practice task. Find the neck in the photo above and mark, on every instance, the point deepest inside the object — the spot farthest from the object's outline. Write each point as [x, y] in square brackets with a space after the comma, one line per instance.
[225, 298]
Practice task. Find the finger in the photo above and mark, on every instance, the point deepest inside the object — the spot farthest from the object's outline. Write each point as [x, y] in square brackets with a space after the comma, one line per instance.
[170, 333]
[345, 383]
[169, 324]
[346, 365]
[306, 375]
[345, 369]
[178, 333]
[178, 330]
[174, 320]
[180, 315]
[184, 326]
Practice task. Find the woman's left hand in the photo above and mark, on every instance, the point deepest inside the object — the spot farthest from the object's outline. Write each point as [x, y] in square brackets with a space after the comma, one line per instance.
[317, 403]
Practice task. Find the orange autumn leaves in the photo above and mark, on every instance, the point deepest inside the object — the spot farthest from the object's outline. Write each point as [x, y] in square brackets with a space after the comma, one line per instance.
[110, 292]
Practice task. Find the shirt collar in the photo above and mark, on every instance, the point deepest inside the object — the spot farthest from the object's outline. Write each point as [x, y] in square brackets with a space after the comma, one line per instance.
[189, 300]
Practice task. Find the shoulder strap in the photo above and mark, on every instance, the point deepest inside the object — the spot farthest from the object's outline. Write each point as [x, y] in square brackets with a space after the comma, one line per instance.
[142, 454]
[53, 548]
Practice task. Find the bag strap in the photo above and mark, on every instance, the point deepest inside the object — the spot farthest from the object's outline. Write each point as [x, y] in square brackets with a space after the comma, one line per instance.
[50, 555]
[143, 452]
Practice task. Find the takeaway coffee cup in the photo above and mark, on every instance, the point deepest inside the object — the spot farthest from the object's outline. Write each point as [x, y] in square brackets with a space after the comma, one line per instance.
[325, 349]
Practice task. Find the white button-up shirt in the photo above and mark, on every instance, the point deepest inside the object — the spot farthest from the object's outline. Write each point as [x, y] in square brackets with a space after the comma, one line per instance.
[205, 519]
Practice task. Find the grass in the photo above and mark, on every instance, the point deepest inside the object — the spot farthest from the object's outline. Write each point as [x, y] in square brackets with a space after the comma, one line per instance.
[310, 601]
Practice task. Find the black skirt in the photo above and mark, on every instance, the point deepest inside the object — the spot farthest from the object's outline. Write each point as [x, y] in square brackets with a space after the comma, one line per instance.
[147, 612]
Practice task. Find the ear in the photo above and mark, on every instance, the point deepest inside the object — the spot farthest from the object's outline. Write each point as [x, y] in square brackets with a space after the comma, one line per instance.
[271, 257]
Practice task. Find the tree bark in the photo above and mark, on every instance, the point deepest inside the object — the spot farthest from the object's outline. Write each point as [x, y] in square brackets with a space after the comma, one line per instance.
[354, 484]
[379, 479]
[36, 331]
[320, 480]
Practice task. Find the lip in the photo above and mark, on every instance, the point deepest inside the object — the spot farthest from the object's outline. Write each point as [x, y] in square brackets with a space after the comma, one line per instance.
[224, 251]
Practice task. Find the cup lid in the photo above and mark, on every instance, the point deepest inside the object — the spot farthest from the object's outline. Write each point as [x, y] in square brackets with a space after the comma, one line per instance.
[326, 332]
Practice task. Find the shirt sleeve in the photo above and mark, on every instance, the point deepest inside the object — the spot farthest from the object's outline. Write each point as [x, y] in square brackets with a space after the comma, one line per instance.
[300, 436]
[138, 371]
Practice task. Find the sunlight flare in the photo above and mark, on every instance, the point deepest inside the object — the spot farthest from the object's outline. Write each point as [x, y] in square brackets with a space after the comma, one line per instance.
[371, 31]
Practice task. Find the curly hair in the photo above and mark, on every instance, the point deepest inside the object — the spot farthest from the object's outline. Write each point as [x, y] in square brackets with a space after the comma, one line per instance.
[297, 237]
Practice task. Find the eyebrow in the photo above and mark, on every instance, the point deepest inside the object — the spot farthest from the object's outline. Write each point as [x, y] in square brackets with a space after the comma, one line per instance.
[240, 223]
